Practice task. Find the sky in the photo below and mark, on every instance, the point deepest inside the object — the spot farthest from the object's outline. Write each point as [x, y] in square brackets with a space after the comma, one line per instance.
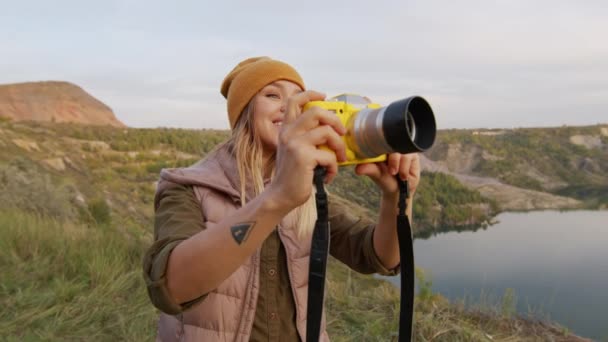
[480, 63]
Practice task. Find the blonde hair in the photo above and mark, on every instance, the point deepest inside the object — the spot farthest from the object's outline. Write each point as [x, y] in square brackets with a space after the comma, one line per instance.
[247, 148]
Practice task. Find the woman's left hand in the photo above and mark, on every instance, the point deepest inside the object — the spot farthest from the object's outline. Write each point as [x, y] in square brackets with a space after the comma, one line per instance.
[383, 173]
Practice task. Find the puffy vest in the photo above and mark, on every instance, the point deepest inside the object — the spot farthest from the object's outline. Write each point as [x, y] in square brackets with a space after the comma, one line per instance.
[227, 313]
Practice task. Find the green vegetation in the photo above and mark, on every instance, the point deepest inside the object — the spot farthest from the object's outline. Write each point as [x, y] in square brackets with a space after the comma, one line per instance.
[444, 201]
[362, 309]
[196, 142]
[571, 161]
[100, 211]
[594, 195]
[76, 217]
[119, 166]
[440, 201]
[67, 281]
[25, 185]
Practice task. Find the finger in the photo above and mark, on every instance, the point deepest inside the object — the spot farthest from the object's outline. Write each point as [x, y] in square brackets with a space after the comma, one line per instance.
[415, 168]
[328, 161]
[392, 162]
[295, 103]
[371, 170]
[325, 135]
[383, 168]
[405, 165]
[317, 116]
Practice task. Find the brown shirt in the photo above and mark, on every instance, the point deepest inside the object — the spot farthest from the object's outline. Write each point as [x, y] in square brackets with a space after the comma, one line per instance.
[179, 217]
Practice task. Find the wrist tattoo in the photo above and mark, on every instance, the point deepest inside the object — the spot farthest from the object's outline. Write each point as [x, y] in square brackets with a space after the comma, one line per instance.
[241, 231]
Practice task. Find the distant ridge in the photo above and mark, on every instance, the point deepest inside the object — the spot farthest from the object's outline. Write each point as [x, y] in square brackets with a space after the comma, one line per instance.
[54, 101]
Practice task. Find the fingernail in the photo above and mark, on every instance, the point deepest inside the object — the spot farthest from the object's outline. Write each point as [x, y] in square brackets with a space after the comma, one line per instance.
[393, 171]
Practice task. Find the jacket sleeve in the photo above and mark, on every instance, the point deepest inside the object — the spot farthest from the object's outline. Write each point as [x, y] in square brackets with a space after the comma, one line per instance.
[351, 239]
[178, 216]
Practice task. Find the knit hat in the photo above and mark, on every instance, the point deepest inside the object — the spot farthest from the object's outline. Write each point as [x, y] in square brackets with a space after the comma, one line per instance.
[249, 77]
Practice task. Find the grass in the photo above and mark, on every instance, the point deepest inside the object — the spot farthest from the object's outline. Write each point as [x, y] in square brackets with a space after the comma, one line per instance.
[71, 244]
[361, 308]
[117, 160]
[63, 281]
[73, 282]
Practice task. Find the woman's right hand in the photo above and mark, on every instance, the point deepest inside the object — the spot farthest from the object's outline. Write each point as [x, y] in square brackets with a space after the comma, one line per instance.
[298, 154]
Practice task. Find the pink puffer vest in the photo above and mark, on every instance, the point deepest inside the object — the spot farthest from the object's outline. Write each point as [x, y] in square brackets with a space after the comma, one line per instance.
[227, 313]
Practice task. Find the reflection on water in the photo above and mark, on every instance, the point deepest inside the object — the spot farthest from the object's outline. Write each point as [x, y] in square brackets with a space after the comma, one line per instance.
[557, 263]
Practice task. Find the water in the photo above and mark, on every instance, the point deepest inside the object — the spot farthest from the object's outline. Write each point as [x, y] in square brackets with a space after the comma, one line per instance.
[556, 262]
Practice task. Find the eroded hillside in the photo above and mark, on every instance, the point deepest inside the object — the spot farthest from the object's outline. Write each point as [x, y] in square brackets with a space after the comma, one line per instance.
[53, 101]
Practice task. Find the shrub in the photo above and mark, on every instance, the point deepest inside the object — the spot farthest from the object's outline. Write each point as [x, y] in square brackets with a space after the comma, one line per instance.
[100, 210]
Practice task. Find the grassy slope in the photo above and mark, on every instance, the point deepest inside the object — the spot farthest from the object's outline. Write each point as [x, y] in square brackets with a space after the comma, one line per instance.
[67, 281]
[516, 155]
[71, 264]
[125, 163]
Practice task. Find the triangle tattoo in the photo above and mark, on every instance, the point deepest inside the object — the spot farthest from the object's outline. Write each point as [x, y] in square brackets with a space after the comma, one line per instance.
[241, 231]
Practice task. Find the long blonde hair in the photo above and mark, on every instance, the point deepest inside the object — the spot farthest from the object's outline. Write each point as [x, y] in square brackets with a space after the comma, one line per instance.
[248, 150]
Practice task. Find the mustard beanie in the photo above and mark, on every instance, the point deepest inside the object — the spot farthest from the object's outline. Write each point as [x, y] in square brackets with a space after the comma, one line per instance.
[249, 77]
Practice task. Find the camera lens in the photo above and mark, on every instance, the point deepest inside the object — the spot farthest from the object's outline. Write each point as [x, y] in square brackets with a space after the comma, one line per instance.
[404, 126]
[411, 126]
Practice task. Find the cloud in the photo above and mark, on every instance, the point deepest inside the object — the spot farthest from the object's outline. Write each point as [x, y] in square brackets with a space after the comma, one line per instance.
[480, 63]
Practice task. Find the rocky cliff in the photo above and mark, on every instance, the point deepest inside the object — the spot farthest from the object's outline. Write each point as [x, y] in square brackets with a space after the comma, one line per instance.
[53, 102]
[527, 169]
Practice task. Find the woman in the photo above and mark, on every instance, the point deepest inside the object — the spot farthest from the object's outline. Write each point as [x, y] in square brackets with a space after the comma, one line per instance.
[232, 232]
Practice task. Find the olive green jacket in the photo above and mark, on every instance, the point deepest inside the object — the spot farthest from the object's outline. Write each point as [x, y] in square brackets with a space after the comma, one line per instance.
[192, 199]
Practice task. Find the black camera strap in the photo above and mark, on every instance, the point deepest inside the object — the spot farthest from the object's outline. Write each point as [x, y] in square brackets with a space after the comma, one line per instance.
[406, 255]
[319, 251]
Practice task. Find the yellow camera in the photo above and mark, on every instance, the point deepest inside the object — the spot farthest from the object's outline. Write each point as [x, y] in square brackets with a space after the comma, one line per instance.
[373, 131]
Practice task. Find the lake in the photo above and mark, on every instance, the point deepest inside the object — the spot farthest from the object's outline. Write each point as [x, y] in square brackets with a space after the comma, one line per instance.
[556, 263]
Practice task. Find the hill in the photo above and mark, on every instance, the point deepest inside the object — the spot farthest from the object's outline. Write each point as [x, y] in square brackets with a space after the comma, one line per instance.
[553, 165]
[76, 218]
[53, 102]
[467, 178]
[114, 165]
[470, 175]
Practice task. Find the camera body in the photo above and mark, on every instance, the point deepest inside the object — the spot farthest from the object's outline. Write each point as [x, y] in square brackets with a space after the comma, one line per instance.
[373, 131]
[346, 107]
